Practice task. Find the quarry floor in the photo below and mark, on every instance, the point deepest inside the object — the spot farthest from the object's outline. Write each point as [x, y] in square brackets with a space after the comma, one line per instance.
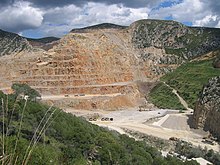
[161, 123]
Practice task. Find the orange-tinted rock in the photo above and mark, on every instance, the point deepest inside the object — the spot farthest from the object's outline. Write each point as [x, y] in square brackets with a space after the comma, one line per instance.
[96, 62]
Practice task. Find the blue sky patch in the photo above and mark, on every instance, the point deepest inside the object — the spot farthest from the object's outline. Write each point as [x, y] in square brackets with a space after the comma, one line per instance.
[167, 3]
[170, 17]
[187, 23]
[32, 33]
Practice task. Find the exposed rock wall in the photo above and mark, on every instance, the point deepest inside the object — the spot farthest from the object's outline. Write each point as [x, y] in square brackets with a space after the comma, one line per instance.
[12, 43]
[207, 109]
[175, 38]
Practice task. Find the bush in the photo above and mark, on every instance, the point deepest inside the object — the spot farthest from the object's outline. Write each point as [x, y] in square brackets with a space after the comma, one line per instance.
[24, 89]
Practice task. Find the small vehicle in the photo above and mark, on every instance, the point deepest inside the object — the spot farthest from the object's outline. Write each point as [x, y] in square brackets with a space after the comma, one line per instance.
[92, 119]
[106, 119]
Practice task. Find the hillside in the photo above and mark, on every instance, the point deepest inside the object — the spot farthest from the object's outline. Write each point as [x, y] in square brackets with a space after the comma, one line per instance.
[188, 80]
[45, 40]
[104, 62]
[43, 43]
[12, 43]
[37, 134]
[98, 27]
[175, 38]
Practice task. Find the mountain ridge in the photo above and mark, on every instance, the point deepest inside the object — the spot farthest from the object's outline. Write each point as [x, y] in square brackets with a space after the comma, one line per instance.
[12, 43]
[98, 26]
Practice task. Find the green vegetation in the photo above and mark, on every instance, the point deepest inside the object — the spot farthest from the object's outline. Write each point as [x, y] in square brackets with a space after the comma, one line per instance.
[188, 80]
[33, 133]
[163, 97]
[24, 89]
[179, 148]
[186, 149]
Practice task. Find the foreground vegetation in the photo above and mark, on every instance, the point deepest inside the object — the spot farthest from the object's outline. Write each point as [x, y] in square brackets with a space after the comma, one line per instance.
[33, 133]
[188, 80]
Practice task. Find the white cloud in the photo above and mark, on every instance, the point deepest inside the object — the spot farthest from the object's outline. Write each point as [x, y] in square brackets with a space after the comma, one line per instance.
[23, 16]
[198, 12]
[20, 16]
[206, 20]
[62, 19]
[188, 10]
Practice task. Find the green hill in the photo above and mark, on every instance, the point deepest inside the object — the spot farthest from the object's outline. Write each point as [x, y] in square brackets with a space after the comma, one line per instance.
[188, 80]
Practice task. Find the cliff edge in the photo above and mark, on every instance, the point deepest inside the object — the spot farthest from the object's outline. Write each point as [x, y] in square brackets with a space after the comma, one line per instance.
[207, 109]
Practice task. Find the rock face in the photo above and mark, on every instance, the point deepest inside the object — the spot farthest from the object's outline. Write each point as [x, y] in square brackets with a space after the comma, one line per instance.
[12, 43]
[97, 64]
[175, 38]
[105, 61]
[207, 109]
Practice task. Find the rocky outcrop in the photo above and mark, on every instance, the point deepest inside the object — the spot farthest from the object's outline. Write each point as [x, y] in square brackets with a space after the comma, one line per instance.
[174, 38]
[11, 43]
[207, 109]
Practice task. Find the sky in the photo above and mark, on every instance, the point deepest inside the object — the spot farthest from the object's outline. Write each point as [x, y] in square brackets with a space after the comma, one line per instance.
[42, 18]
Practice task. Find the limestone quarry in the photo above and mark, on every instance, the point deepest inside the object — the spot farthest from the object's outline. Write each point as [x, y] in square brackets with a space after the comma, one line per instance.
[104, 61]
[109, 67]
[98, 62]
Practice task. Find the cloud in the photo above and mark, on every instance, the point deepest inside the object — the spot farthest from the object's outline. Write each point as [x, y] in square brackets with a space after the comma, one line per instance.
[3, 3]
[209, 20]
[20, 16]
[198, 12]
[80, 3]
[59, 20]
[57, 17]
[187, 10]
[213, 5]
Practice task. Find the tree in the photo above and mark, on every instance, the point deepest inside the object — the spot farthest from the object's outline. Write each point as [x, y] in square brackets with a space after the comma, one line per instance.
[24, 89]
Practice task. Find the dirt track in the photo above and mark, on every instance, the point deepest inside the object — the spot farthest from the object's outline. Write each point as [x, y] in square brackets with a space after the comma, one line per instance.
[85, 96]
